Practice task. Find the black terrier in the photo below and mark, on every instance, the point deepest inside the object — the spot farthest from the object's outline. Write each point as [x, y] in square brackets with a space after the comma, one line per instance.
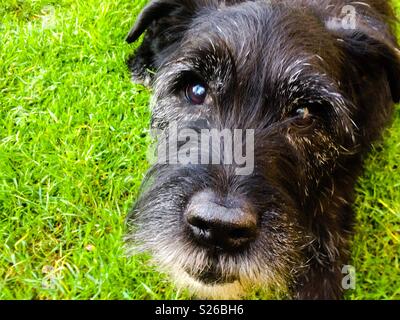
[315, 83]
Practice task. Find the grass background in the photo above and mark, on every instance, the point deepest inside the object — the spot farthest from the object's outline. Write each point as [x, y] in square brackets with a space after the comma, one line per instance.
[72, 155]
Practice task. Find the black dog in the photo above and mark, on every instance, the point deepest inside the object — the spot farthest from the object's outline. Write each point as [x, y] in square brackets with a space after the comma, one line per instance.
[316, 81]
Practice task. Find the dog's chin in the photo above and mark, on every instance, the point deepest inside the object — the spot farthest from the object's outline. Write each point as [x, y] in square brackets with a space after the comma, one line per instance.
[209, 286]
[216, 285]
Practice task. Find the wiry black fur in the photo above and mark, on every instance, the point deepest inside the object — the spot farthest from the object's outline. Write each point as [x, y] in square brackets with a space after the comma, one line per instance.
[261, 61]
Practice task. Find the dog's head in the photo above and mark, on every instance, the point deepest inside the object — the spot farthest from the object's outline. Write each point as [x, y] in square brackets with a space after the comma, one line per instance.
[312, 92]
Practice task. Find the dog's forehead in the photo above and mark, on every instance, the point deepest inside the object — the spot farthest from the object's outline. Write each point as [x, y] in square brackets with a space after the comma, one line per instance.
[260, 37]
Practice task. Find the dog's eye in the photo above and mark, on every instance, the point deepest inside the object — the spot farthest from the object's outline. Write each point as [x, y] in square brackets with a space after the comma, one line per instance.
[196, 93]
[303, 112]
[303, 117]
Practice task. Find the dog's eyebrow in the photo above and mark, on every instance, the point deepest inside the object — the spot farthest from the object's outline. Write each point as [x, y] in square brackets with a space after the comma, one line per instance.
[314, 89]
[209, 58]
[305, 85]
[302, 79]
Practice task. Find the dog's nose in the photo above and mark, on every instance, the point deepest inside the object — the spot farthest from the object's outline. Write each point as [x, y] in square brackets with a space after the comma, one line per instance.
[227, 225]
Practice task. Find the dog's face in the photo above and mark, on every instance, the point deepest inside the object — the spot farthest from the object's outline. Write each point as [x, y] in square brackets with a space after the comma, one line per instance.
[281, 72]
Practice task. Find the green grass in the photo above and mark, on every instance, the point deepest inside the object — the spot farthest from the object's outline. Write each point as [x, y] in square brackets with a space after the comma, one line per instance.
[72, 155]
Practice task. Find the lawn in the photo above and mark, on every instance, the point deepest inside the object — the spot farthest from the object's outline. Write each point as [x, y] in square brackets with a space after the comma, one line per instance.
[73, 152]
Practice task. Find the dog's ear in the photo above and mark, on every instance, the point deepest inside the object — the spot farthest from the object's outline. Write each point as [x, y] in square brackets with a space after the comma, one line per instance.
[371, 48]
[164, 22]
